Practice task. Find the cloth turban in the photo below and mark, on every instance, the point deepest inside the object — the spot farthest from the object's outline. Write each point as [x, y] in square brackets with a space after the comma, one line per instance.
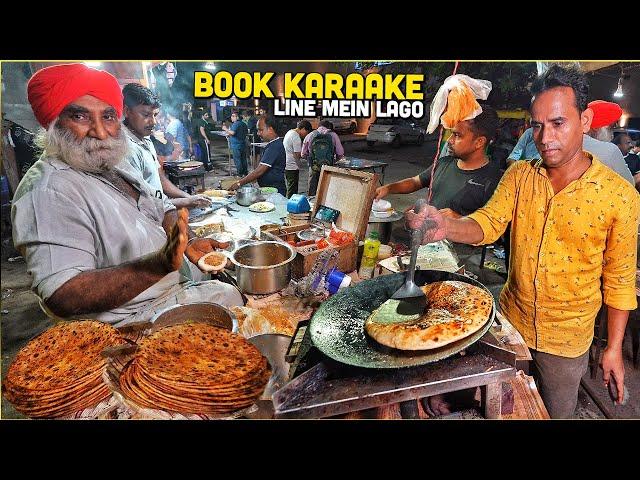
[604, 113]
[51, 89]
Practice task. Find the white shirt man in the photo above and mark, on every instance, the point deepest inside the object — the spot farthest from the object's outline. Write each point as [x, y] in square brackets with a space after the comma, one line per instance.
[293, 147]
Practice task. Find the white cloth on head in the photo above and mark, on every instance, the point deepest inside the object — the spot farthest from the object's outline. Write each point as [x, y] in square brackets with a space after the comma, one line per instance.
[480, 89]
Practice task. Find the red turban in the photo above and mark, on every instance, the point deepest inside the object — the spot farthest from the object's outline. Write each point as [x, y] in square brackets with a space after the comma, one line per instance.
[604, 113]
[51, 89]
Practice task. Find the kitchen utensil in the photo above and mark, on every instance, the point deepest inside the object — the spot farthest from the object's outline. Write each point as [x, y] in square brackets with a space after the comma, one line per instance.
[413, 300]
[337, 327]
[193, 312]
[263, 267]
[247, 195]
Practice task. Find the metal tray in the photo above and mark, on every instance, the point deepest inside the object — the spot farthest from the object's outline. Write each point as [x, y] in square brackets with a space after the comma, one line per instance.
[337, 328]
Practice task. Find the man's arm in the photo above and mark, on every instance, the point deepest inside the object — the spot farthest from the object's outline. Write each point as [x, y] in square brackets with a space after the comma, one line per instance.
[228, 130]
[407, 185]
[480, 227]
[618, 282]
[204, 134]
[170, 190]
[612, 362]
[104, 289]
[179, 198]
[439, 226]
[251, 177]
[636, 179]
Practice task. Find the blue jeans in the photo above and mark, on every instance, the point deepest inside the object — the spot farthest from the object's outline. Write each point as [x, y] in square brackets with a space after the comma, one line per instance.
[240, 159]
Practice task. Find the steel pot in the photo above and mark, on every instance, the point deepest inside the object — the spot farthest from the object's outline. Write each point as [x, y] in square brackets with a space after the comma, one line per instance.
[206, 312]
[247, 195]
[263, 267]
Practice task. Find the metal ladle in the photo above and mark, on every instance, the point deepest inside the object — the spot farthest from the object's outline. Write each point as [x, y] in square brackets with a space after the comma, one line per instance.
[412, 299]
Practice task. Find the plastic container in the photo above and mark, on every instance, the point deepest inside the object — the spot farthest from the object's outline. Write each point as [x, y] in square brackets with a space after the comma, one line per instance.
[338, 279]
[298, 204]
[369, 255]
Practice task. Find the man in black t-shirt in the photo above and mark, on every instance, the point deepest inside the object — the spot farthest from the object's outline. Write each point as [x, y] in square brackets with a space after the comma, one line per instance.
[270, 172]
[464, 181]
[200, 136]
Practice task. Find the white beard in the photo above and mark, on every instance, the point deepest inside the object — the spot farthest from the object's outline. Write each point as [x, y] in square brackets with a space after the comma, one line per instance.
[88, 155]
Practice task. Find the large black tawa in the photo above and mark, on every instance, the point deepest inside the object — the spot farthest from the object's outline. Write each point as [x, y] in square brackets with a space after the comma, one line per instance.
[337, 328]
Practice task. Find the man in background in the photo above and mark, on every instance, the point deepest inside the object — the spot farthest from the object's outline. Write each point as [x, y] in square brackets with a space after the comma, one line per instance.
[624, 144]
[293, 147]
[321, 153]
[270, 171]
[141, 108]
[237, 142]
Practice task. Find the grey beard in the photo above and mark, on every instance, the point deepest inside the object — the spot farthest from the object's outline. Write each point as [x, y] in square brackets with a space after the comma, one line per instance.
[89, 154]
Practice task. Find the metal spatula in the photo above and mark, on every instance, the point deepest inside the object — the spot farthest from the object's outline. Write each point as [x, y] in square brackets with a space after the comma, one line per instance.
[412, 298]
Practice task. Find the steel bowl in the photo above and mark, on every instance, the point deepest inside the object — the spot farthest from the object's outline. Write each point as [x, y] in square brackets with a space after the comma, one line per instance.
[248, 195]
[263, 267]
[206, 312]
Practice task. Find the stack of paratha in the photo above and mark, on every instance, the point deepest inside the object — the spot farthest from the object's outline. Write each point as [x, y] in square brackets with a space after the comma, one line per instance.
[454, 311]
[195, 368]
[59, 372]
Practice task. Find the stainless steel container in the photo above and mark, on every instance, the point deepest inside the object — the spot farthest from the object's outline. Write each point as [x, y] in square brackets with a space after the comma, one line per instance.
[206, 312]
[263, 267]
[247, 195]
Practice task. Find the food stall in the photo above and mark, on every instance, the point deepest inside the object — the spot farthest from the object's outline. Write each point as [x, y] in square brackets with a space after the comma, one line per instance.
[289, 352]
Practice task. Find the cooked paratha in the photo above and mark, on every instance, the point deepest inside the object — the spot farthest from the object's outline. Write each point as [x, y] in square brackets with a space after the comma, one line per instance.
[454, 311]
[195, 368]
[60, 371]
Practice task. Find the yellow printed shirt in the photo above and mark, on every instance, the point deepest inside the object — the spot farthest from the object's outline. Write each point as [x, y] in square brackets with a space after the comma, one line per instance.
[561, 246]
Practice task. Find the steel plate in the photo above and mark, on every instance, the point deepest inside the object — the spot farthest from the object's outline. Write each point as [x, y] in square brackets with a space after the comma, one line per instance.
[337, 328]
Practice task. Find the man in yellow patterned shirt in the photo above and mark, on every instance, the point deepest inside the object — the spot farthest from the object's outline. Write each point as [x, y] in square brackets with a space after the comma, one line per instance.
[573, 236]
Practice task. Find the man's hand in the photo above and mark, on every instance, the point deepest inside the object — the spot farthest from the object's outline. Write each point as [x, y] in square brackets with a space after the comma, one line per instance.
[613, 365]
[382, 192]
[172, 252]
[432, 219]
[198, 201]
[200, 246]
[447, 212]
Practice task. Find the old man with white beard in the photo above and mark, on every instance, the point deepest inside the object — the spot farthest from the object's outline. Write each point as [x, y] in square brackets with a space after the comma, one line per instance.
[96, 240]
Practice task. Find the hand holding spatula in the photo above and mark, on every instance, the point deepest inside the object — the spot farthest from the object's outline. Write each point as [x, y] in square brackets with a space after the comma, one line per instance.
[412, 298]
[427, 219]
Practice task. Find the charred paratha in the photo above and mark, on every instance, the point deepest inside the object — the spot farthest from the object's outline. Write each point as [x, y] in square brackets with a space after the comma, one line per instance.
[454, 311]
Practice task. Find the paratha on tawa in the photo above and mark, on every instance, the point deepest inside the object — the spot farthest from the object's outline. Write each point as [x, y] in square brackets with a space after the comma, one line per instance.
[454, 311]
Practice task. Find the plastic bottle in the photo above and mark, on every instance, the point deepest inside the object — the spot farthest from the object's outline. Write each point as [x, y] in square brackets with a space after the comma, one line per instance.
[369, 255]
